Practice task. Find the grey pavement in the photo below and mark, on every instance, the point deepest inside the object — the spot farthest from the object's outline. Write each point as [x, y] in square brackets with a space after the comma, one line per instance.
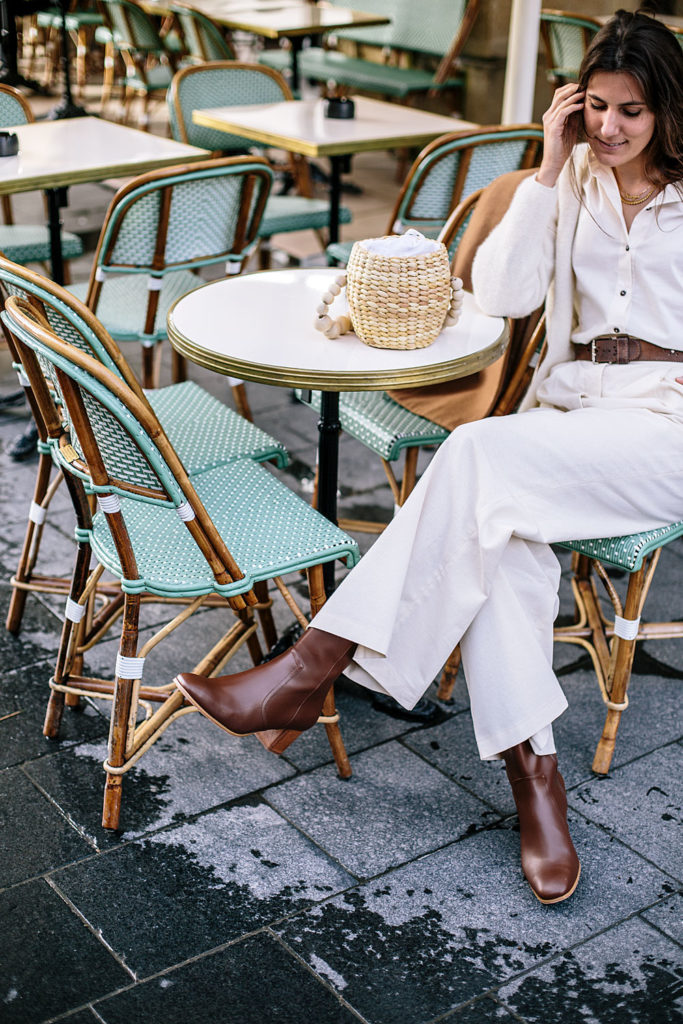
[245, 888]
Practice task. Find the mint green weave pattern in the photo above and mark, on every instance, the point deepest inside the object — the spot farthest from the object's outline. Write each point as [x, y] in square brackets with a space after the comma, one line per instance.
[123, 299]
[268, 529]
[629, 551]
[380, 423]
[30, 243]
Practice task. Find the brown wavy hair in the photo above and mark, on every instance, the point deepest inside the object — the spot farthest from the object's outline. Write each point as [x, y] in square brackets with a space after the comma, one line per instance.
[638, 45]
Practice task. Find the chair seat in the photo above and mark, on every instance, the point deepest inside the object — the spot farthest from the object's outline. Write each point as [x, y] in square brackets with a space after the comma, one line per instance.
[123, 296]
[158, 77]
[325, 65]
[297, 213]
[339, 251]
[206, 433]
[52, 18]
[30, 243]
[626, 552]
[268, 529]
[380, 423]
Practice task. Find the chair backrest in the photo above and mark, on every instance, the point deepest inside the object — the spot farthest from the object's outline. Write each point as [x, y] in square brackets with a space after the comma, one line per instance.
[428, 28]
[566, 37]
[220, 84]
[115, 442]
[181, 218]
[202, 37]
[14, 108]
[454, 166]
[134, 29]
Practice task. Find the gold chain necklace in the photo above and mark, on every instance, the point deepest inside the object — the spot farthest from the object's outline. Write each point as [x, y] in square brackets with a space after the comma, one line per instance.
[637, 200]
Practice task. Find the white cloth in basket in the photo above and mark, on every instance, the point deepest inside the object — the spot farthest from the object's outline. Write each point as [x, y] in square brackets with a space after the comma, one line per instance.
[411, 243]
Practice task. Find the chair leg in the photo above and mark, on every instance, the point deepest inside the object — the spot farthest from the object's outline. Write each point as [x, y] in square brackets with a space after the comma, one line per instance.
[239, 395]
[341, 758]
[621, 661]
[29, 551]
[122, 713]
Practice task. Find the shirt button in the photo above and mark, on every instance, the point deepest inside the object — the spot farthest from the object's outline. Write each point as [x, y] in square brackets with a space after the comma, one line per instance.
[622, 293]
[616, 330]
[627, 248]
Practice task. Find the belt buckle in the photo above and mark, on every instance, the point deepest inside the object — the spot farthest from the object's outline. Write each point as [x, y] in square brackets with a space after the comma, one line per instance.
[617, 343]
[593, 351]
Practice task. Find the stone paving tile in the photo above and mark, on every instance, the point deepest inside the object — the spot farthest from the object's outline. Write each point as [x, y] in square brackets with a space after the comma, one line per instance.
[50, 962]
[194, 766]
[629, 975]
[196, 887]
[668, 917]
[641, 803]
[255, 981]
[35, 836]
[450, 926]
[651, 720]
[354, 821]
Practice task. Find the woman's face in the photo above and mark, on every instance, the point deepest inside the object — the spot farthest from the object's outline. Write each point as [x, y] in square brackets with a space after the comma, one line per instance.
[618, 123]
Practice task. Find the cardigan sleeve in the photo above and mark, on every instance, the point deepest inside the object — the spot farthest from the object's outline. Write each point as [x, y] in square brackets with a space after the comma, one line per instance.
[513, 268]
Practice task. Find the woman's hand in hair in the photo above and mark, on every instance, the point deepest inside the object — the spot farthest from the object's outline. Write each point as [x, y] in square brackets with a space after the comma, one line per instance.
[558, 137]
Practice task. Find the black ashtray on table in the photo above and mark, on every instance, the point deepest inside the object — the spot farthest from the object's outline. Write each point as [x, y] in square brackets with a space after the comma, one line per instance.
[9, 144]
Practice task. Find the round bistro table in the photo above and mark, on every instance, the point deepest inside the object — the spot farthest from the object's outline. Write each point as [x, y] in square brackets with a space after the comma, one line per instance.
[260, 327]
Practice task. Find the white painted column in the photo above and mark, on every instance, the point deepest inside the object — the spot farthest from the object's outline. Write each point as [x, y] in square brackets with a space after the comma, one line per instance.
[522, 55]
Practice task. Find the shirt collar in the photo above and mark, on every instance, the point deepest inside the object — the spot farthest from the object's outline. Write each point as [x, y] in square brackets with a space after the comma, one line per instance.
[604, 176]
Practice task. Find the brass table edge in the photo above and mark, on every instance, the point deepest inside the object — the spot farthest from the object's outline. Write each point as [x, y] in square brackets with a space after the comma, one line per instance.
[371, 380]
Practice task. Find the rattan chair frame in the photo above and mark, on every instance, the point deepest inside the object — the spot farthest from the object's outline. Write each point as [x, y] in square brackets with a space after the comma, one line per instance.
[257, 177]
[58, 306]
[203, 39]
[85, 386]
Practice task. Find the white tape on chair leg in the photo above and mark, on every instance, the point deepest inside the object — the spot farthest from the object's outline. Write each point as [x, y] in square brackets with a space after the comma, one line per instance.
[234, 381]
[129, 668]
[23, 379]
[109, 502]
[626, 629]
[185, 512]
[100, 274]
[37, 513]
[74, 611]
[148, 340]
[155, 284]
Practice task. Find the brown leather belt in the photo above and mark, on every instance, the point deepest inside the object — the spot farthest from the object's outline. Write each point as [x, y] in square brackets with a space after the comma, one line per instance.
[623, 348]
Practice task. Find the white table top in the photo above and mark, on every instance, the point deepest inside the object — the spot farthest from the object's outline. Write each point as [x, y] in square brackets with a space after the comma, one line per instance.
[290, 19]
[56, 153]
[260, 327]
[301, 127]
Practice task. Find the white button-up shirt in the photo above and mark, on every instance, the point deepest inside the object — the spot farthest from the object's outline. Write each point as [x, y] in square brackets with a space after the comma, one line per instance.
[628, 282]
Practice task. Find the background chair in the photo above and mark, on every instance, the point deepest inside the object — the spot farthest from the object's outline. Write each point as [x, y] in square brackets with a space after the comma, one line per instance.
[451, 168]
[149, 56]
[27, 243]
[162, 535]
[224, 83]
[160, 230]
[82, 20]
[204, 432]
[202, 38]
[566, 38]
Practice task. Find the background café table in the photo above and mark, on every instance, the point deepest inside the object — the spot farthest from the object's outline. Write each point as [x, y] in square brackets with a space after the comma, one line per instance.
[54, 154]
[300, 126]
[260, 327]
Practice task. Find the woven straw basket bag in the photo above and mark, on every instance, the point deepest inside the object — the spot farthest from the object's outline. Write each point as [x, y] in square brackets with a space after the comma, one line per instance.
[400, 302]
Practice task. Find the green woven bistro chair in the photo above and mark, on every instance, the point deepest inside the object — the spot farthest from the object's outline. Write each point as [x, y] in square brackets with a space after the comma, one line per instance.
[451, 168]
[416, 52]
[611, 643]
[162, 535]
[232, 83]
[204, 432]
[27, 243]
[566, 38]
[161, 229]
[149, 55]
[202, 38]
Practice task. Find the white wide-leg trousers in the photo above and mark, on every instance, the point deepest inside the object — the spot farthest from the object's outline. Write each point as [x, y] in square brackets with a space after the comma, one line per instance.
[467, 559]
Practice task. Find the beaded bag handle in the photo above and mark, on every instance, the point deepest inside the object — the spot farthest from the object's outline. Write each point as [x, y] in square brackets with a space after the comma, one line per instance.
[333, 329]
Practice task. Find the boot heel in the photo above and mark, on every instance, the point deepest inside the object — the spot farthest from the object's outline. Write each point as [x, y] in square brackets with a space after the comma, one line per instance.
[277, 740]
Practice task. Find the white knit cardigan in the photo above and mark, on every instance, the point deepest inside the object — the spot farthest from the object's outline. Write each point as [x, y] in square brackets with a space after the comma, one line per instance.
[526, 260]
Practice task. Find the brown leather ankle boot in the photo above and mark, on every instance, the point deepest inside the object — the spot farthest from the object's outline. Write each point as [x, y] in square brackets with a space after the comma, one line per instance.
[549, 860]
[281, 697]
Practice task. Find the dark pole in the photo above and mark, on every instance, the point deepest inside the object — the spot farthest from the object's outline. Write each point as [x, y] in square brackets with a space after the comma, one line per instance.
[66, 107]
